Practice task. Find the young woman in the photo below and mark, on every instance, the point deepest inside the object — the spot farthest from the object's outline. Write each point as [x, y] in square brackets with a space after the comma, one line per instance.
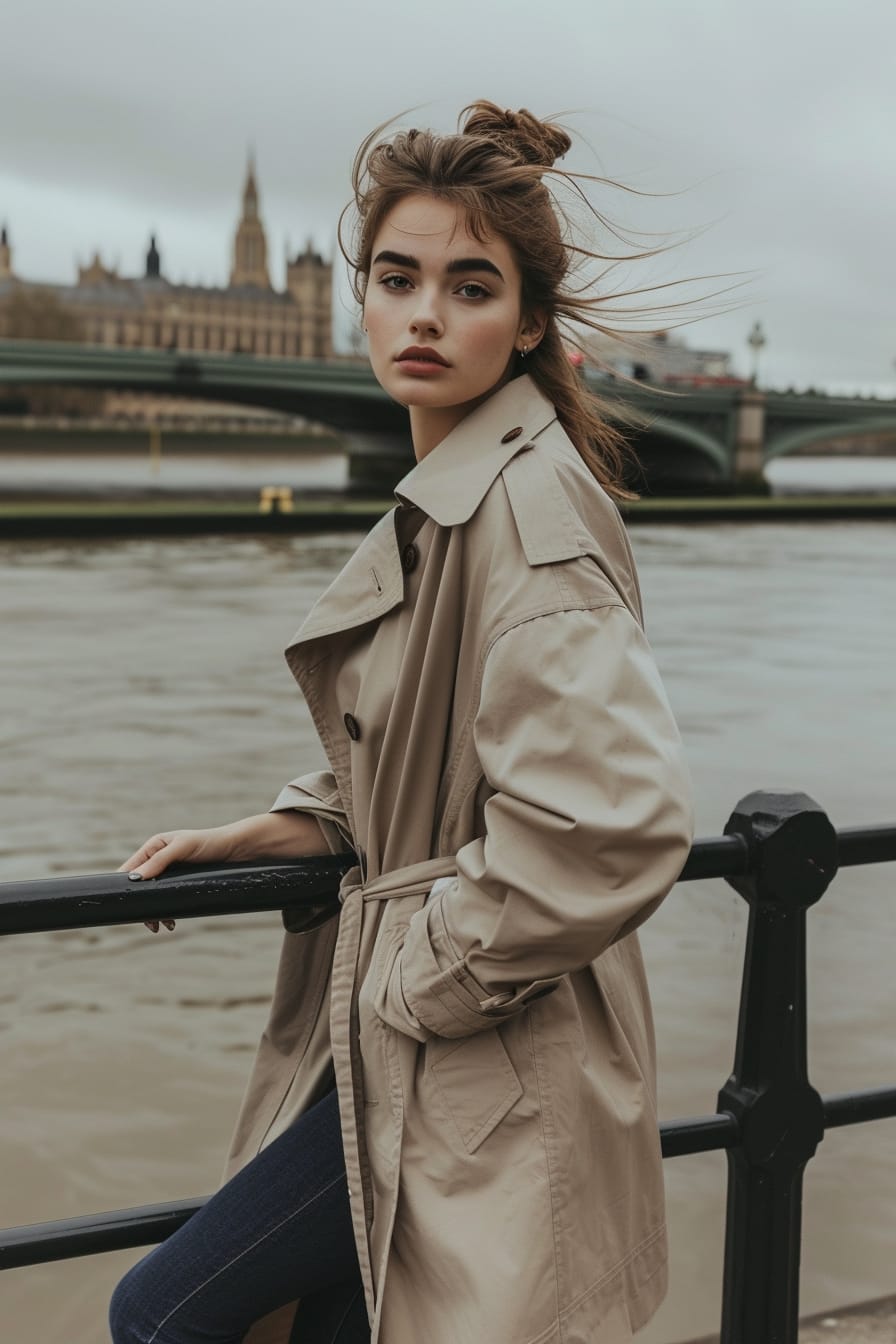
[450, 1133]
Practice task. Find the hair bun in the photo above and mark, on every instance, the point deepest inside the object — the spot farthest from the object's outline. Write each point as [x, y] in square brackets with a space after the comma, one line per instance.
[519, 134]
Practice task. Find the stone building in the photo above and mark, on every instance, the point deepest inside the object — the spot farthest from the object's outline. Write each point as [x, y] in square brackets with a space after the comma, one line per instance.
[658, 357]
[249, 316]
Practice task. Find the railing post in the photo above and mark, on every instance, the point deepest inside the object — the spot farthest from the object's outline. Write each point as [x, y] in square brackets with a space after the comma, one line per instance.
[793, 849]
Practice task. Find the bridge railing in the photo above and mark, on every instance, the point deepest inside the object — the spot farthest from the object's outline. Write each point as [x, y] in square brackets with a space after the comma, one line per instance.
[779, 851]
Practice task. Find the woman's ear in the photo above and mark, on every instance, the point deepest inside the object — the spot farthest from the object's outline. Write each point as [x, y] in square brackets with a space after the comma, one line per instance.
[531, 330]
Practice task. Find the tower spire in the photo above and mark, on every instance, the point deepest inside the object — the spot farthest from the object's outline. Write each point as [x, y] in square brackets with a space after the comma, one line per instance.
[153, 260]
[250, 248]
[5, 253]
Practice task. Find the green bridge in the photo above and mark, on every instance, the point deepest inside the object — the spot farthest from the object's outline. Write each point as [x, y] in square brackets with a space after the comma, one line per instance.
[703, 439]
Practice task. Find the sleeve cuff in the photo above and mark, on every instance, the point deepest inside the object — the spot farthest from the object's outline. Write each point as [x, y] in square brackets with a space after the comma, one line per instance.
[441, 996]
[326, 811]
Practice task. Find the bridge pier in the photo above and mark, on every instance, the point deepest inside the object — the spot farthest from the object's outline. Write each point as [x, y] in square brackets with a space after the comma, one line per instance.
[377, 460]
[749, 443]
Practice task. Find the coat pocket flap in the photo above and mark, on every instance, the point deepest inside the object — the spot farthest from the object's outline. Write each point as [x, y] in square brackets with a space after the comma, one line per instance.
[477, 1082]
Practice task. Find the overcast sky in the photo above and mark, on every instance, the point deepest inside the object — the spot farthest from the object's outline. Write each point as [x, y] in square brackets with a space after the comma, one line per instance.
[769, 125]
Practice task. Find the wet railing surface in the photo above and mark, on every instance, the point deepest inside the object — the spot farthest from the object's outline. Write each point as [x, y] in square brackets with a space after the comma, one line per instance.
[779, 851]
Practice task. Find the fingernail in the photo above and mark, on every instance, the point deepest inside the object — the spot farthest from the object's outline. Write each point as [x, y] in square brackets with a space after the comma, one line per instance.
[135, 876]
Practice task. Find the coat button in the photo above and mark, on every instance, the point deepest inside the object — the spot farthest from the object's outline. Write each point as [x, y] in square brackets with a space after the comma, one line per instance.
[512, 434]
[409, 557]
[352, 727]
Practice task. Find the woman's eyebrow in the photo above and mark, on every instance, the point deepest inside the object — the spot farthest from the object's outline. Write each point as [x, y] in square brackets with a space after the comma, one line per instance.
[473, 264]
[397, 259]
[461, 264]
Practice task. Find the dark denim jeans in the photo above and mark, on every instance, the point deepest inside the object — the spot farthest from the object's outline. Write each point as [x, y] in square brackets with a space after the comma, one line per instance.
[280, 1229]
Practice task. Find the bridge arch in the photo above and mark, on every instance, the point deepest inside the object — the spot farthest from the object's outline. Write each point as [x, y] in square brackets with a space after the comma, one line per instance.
[794, 439]
[679, 451]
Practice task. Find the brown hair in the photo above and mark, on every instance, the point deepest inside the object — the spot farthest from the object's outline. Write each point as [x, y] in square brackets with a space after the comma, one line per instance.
[493, 168]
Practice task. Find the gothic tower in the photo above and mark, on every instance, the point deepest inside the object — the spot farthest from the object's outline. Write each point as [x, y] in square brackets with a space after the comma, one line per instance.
[309, 279]
[250, 249]
[5, 255]
[153, 260]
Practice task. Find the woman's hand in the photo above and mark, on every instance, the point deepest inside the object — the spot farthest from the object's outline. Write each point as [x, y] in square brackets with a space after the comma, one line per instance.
[271, 835]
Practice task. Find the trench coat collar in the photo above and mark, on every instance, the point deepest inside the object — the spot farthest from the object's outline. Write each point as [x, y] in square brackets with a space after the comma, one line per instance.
[450, 483]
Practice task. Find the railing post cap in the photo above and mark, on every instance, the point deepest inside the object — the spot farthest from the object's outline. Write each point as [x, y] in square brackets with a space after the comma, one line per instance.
[793, 847]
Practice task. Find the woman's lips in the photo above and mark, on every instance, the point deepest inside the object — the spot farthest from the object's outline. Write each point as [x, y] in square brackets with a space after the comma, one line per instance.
[421, 359]
[418, 365]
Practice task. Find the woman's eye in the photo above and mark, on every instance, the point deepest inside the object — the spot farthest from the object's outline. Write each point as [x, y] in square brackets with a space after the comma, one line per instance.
[473, 290]
[395, 281]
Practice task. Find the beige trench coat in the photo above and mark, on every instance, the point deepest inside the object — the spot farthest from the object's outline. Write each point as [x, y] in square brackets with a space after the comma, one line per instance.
[491, 711]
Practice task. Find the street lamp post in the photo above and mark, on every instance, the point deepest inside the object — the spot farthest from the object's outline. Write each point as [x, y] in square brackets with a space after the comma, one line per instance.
[756, 340]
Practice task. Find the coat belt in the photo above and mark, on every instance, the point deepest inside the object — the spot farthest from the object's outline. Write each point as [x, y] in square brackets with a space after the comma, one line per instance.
[411, 880]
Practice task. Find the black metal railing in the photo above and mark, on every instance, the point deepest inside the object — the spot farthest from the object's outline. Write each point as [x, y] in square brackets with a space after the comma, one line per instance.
[779, 851]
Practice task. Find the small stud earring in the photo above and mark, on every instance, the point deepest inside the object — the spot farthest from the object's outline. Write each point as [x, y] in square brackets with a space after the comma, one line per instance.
[524, 351]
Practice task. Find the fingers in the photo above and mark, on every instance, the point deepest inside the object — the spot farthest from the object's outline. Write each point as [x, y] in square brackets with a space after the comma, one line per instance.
[160, 857]
[153, 924]
[151, 859]
[153, 856]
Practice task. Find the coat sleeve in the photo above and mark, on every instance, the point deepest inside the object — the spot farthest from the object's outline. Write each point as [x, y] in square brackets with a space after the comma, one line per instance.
[318, 795]
[589, 825]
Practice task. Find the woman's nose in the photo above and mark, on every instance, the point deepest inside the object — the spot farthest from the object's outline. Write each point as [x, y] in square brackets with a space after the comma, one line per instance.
[426, 317]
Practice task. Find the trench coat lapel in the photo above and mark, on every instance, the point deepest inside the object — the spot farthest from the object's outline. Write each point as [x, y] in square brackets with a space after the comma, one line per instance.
[448, 485]
[451, 481]
[371, 584]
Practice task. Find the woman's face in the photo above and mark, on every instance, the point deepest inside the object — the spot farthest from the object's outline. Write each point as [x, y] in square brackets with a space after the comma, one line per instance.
[443, 312]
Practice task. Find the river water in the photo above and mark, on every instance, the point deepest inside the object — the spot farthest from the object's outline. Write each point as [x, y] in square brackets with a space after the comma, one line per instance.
[144, 688]
[120, 475]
